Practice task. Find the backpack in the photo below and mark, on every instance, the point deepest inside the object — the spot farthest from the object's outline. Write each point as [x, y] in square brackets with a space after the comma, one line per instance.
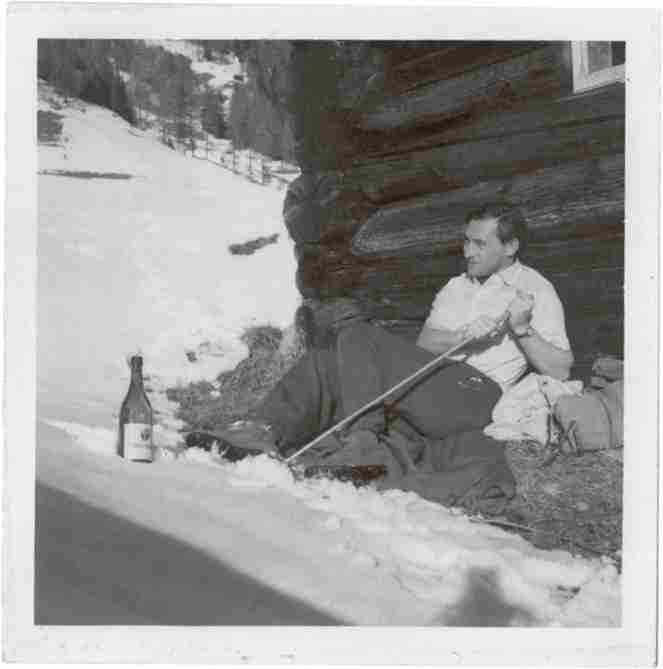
[594, 420]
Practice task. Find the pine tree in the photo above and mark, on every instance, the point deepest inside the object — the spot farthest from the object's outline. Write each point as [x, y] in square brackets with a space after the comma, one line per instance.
[85, 69]
[239, 117]
[259, 108]
[212, 115]
[166, 111]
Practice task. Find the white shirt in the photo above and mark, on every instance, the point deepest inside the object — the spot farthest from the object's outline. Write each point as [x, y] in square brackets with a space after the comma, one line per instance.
[463, 299]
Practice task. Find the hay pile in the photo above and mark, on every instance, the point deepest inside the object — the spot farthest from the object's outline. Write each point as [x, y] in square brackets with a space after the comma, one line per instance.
[573, 503]
[202, 406]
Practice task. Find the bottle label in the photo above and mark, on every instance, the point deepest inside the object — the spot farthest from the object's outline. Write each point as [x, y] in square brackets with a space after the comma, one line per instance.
[138, 441]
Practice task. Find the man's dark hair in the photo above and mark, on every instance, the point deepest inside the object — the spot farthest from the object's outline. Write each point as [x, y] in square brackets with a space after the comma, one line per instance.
[511, 223]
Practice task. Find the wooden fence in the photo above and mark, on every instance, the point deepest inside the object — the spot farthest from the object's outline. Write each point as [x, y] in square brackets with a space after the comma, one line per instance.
[253, 166]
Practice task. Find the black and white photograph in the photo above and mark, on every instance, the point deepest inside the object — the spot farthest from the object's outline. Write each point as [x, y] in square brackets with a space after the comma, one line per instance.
[328, 331]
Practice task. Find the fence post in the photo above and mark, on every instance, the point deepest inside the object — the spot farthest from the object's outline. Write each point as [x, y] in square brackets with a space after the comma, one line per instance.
[266, 173]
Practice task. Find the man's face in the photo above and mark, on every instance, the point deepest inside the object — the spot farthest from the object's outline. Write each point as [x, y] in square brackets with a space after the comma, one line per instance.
[484, 252]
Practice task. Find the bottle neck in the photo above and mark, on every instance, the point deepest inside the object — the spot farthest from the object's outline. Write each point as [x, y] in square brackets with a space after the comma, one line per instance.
[137, 373]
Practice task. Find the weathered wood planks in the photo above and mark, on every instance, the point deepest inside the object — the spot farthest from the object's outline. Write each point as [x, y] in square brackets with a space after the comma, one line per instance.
[461, 165]
[488, 121]
[555, 201]
[529, 75]
[452, 59]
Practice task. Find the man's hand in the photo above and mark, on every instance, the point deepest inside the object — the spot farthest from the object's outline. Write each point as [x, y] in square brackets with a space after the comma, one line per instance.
[543, 356]
[484, 326]
[438, 340]
[520, 311]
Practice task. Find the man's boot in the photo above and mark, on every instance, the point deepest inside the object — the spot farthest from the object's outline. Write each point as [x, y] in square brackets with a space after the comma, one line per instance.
[239, 440]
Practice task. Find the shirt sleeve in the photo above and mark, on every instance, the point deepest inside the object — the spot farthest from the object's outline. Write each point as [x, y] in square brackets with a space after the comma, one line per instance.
[548, 317]
[443, 312]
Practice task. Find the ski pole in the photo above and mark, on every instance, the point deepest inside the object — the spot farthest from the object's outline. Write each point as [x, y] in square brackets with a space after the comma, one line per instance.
[499, 323]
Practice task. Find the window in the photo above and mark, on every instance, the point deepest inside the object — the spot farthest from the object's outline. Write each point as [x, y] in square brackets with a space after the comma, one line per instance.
[597, 63]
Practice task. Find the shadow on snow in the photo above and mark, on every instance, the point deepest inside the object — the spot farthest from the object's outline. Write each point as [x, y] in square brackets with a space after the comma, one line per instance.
[95, 568]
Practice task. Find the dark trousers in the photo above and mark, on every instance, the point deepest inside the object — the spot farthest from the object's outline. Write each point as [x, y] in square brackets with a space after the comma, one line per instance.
[334, 380]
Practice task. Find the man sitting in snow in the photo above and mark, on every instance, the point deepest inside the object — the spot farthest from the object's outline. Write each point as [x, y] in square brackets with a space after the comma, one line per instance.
[429, 435]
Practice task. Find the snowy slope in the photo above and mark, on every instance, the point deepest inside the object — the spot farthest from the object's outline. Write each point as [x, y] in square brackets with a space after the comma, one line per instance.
[142, 264]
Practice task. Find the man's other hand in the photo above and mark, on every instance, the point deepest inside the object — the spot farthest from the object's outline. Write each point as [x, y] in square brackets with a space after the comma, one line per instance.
[520, 310]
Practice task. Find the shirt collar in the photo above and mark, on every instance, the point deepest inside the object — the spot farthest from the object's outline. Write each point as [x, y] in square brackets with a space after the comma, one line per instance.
[508, 275]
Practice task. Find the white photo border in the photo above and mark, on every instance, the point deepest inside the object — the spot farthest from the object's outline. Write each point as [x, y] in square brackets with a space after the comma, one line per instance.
[634, 642]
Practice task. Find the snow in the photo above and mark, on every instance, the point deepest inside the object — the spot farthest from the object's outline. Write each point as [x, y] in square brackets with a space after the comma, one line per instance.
[220, 73]
[142, 264]
[411, 560]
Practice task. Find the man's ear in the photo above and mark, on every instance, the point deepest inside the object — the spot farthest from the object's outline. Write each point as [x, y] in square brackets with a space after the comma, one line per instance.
[512, 247]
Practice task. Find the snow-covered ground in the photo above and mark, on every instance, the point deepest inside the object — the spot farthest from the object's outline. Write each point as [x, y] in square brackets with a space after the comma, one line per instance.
[142, 264]
[220, 73]
[356, 555]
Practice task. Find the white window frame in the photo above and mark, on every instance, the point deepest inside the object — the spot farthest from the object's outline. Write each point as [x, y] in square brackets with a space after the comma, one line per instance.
[583, 79]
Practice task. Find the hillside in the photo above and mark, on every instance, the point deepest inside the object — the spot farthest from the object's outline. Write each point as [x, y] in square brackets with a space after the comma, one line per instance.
[190, 93]
[151, 231]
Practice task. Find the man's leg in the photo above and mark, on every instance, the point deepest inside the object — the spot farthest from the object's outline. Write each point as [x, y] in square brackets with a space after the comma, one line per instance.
[454, 397]
[457, 464]
[305, 401]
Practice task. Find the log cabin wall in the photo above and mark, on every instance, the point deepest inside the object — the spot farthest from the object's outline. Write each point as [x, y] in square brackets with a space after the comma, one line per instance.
[397, 141]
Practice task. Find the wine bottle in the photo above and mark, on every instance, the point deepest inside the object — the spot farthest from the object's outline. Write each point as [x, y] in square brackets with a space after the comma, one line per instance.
[135, 441]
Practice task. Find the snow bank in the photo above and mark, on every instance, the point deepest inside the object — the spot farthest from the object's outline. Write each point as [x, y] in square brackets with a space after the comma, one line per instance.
[432, 555]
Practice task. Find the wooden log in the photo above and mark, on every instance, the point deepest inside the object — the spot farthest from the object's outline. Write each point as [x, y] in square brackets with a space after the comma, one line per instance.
[319, 121]
[573, 255]
[325, 274]
[461, 165]
[303, 207]
[396, 53]
[332, 272]
[453, 59]
[362, 73]
[532, 74]
[326, 271]
[480, 121]
[375, 72]
[554, 255]
[584, 293]
[555, 200]
[588, 292]
[318, 206]
[592, 336]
